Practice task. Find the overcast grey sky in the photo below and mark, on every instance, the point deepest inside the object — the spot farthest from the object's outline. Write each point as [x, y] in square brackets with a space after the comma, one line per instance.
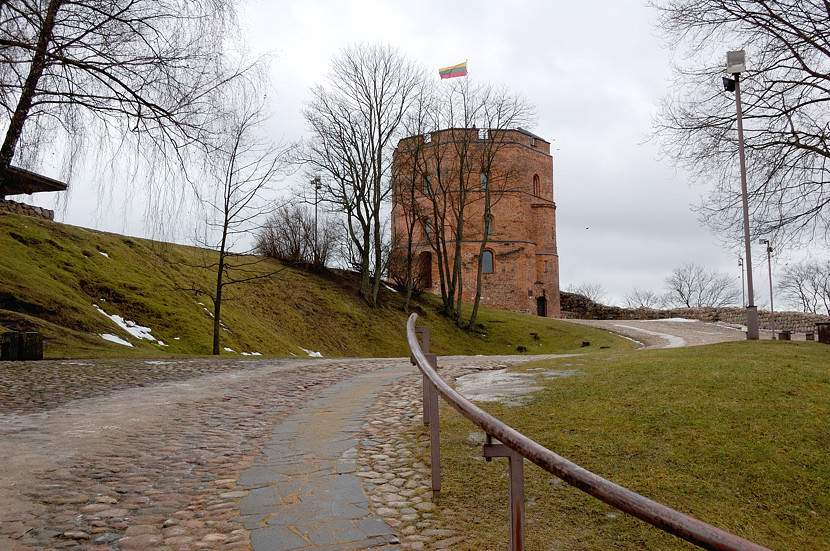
[595, 71]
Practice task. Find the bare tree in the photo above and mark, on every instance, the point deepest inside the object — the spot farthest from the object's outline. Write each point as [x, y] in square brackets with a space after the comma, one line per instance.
[131, 78]
[593, 291]
[410, 181]
[785, 94]
[692, 285]
[240, 168]
[807, 285]
[452, 162]
[289, 235]
[355, 118]
[643, 298]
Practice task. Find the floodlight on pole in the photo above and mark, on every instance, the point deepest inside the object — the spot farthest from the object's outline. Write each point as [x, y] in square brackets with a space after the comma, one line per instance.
[769, 263]
[735, 65]
[743, 283]
[317, 185]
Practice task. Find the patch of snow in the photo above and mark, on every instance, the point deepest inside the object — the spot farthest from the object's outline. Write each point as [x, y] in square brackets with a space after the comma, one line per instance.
[209, 313]
[674, 342]
[102, 253]
[114, 338]
[310, 353]
[161, 343]
[390, 288]
[677, 320]
[226, 349]
[251, 354]
[131, 327]
[177, 338]
[511, 389]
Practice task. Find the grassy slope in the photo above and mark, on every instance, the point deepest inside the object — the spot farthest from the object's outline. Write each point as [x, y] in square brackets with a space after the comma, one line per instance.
[734, 434]
[52, 274]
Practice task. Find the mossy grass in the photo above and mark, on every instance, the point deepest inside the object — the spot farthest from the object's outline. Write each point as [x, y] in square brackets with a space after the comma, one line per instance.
[734, 434]
[51, 275]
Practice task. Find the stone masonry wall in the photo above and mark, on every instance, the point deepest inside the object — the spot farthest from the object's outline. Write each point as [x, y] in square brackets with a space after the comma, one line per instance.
[579, 307]
[13, 207]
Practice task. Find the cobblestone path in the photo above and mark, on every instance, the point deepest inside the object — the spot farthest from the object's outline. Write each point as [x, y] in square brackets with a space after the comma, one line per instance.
[154, 466]
[163, 456]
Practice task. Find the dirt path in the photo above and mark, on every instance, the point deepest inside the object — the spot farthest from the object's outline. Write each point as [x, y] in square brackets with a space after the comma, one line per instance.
[668, 333]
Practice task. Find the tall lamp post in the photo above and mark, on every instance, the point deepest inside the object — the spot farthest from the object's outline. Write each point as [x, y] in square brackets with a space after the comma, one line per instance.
[743, 284]
[769, 263]
[735, 65]
[317, 184]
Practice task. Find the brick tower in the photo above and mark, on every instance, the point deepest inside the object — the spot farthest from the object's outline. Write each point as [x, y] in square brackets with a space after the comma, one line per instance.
[509, 173]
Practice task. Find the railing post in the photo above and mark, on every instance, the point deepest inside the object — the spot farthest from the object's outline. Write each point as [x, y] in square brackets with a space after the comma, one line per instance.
[430, 413]
[427, 395]
[517, 491]
[431, 399]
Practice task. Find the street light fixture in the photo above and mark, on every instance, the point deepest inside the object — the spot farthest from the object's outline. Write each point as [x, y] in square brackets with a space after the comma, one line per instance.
[317, 184]
[743, 285]
[769, 263]
[735, 65]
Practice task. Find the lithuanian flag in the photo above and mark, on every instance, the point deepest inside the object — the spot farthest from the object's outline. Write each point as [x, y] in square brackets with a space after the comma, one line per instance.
[459, 70]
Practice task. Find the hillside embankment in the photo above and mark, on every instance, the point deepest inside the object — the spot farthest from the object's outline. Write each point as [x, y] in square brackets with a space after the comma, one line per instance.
[98, 294]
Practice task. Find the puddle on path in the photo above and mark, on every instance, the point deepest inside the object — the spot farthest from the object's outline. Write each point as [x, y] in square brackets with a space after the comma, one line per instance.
[512, 389]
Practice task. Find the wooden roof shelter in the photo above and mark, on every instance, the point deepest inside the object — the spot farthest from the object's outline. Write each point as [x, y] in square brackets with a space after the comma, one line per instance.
[20, 181]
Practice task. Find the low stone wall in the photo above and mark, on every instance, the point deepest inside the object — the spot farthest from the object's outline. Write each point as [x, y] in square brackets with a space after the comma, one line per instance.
[7, 205]
[579, 307]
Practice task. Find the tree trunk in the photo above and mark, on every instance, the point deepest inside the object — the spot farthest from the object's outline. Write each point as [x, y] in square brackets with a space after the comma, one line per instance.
[217, 301]
[27, 94]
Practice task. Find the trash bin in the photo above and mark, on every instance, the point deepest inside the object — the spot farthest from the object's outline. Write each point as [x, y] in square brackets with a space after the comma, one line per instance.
[9, 346]
[31, 346]
[17, 345]
[823, 330]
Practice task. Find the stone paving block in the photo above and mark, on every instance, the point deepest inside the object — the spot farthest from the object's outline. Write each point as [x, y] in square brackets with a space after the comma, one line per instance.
[345, 488]
[276, 538]
[346, 466]
[259, 501]
[336, 531]
[259, 477]
[374, 526]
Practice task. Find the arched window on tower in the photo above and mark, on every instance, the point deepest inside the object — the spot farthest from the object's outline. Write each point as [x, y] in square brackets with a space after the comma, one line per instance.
[483, 181]
[536, 189]
[487, 262]
[428, 229]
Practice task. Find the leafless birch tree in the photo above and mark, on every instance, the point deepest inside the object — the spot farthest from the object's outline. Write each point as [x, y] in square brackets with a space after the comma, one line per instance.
[129, 78]
[355, 119]
[692, 285]
[240, 168]
[807, 285]
[785, 94]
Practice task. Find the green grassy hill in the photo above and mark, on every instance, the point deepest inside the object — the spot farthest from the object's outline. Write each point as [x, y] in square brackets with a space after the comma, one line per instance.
[69, 283]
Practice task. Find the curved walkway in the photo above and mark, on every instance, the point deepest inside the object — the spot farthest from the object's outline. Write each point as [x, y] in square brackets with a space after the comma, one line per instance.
[669, 333]
[219, 454]
[216, 454]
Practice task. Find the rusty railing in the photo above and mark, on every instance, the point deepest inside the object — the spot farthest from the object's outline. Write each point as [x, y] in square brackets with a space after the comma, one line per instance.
[518, 447]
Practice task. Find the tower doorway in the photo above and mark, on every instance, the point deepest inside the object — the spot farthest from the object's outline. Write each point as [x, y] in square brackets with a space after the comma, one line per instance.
[542, 307]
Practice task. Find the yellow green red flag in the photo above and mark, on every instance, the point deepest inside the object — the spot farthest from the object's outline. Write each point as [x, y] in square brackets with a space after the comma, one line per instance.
[459, 70]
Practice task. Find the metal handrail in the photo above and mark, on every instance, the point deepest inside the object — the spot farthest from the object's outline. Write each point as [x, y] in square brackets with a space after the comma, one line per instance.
[674, 522]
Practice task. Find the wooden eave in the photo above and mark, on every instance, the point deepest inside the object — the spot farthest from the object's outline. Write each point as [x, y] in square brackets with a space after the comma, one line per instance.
[19, 181]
